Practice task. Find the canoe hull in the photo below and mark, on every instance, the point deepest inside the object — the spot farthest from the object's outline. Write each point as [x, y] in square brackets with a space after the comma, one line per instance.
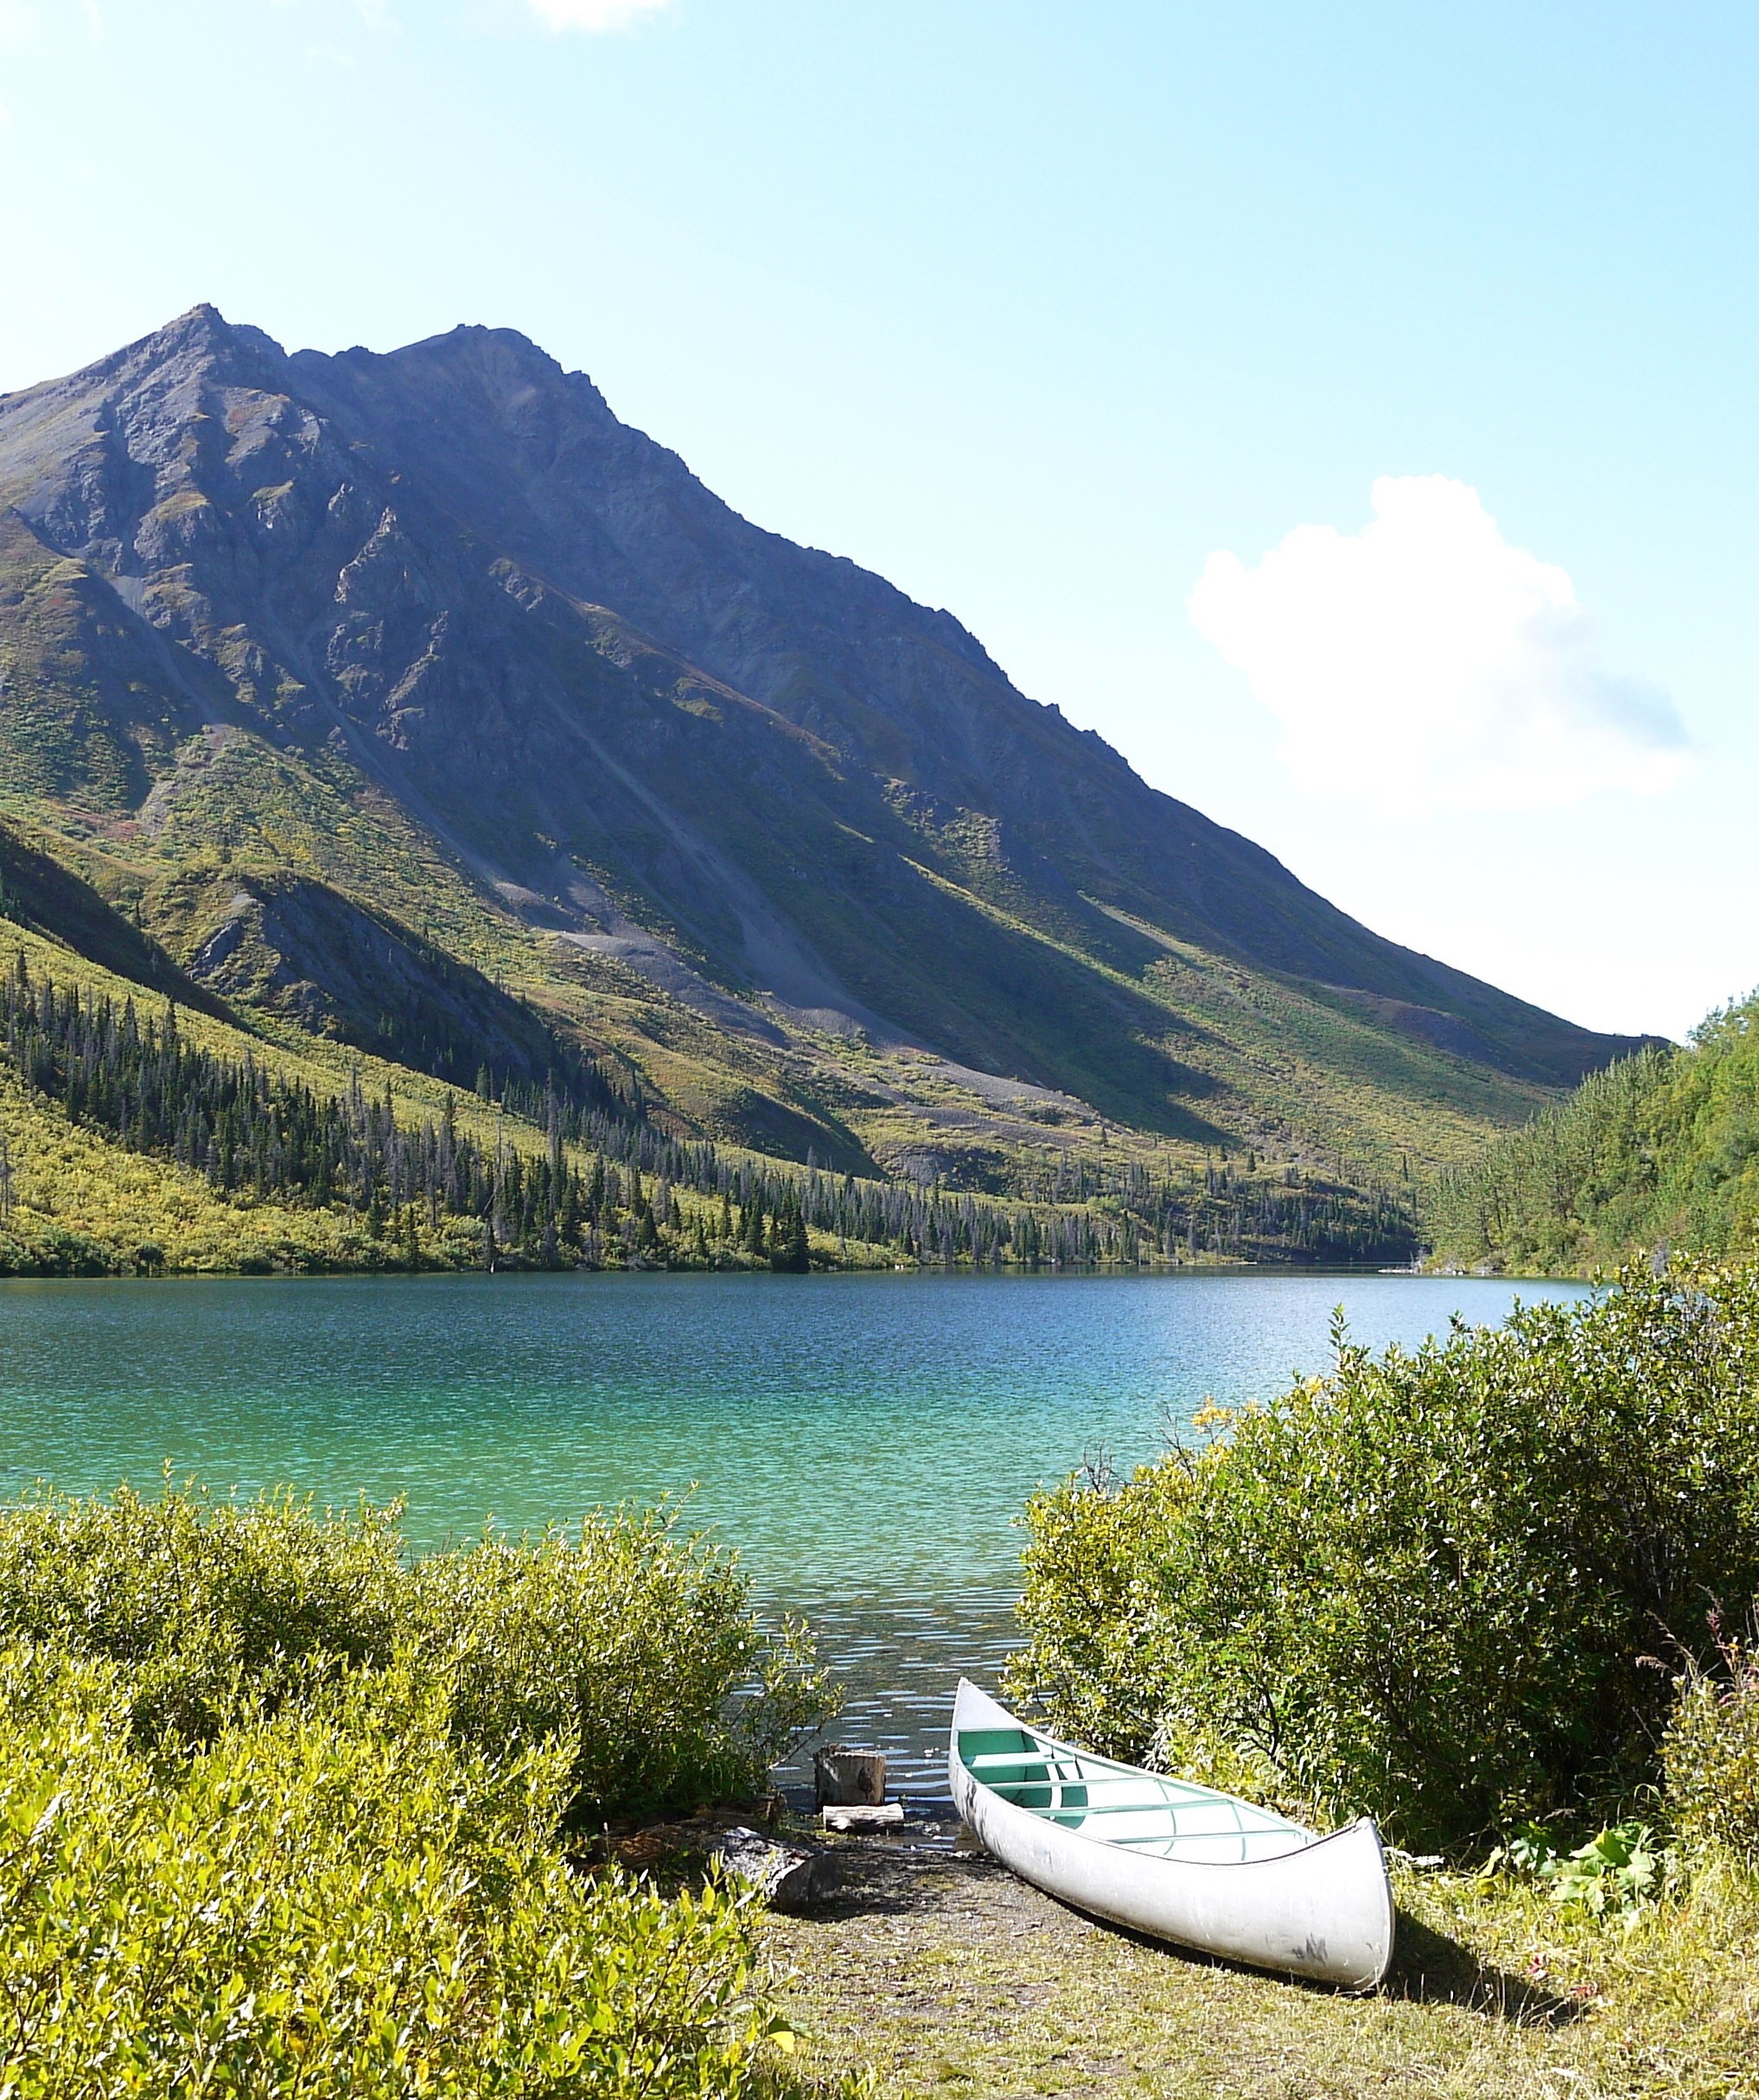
[1324, 1912]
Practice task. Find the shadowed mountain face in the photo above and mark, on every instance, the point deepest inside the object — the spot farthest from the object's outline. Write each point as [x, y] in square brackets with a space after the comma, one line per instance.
[38, 893]
[287, 945]
[447, 584]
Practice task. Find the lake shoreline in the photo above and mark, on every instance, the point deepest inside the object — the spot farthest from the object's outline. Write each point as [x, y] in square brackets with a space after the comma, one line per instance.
[841, 1432]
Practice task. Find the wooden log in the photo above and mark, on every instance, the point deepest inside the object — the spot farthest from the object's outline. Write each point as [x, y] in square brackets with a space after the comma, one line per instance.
[846, 1778]
[865, 1816]
[787, 1877]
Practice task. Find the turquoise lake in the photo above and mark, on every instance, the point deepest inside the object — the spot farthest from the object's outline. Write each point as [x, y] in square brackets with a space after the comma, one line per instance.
[866, 1441]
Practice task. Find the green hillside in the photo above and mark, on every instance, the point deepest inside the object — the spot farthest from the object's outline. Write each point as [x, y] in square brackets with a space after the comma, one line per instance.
[1660, 1148]
[293, 895]
[140, 1137]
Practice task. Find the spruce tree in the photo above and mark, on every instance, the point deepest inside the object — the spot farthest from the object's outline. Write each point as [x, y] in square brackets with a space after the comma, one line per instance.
[789, 1250]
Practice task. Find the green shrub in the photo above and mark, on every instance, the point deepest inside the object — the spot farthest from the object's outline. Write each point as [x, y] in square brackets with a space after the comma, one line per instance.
[1710, 1755]
[197, 1598]
[1660, 1146]
[631, 1639]
[51, 1250]
[346, 1899]
[1619, 1873]
[1425, 1585]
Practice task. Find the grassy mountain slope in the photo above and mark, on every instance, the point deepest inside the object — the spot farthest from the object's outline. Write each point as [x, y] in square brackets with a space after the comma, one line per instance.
[418, 703]
[38, 893]
[1661, 1148]
[76, 1199]
[137, 1138]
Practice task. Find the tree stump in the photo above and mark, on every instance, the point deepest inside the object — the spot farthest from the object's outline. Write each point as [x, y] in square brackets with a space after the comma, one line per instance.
[846, 1778]
[787, 1877]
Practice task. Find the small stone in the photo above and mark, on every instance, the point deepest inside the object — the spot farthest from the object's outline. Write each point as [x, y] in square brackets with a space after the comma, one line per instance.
[787, 1877]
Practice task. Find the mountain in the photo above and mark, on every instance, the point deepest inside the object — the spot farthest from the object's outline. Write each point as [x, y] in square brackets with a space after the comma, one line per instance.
[376, 689]
[1661, 1149]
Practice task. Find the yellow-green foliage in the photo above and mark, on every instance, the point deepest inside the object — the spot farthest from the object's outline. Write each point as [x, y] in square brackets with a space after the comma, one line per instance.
[629, 1642]
[343, 1900]
[1711, 1756]
[82, 1205]
[635, 1637]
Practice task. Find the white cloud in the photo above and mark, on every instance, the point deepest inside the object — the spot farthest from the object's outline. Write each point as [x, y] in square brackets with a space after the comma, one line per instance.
[1427, 663]
[594, 16]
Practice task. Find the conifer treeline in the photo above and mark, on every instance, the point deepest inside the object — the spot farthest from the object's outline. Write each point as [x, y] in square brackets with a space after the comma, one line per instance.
[1143, 1217]
[256, 1134]
[253, 1133]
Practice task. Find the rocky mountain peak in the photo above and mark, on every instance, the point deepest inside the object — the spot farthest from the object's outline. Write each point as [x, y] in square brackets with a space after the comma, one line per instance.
[200, 344]
[446, 581]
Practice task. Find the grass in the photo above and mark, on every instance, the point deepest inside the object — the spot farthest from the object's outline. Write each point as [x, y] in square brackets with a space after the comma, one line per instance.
[945, 1975]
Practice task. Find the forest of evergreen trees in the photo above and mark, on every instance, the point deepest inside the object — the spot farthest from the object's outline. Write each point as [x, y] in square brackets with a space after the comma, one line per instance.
[256, 1135]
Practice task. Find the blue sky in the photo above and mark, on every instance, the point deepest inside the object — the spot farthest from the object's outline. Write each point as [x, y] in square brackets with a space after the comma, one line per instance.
[1065, 317]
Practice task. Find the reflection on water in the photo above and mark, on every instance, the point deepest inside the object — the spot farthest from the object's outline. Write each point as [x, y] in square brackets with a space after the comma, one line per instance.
[868, 1442]
[899, 1659]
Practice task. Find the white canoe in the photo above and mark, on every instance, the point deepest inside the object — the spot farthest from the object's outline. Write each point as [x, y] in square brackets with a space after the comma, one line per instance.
[1169, 1859]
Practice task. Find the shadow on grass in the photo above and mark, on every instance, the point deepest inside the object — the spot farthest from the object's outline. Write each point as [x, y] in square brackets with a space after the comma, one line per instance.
[1428, 1968]
[881, 1883]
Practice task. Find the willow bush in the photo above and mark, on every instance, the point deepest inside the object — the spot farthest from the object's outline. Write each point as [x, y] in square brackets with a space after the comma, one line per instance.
[1710, 1755]
[284, 1811]
[1430, 1586]
[632, 1637]
[344, 1899]
[198, 1599]
[629, 1638]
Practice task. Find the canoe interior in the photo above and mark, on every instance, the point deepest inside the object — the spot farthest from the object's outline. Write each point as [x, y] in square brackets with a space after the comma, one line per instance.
[1118, 1805]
